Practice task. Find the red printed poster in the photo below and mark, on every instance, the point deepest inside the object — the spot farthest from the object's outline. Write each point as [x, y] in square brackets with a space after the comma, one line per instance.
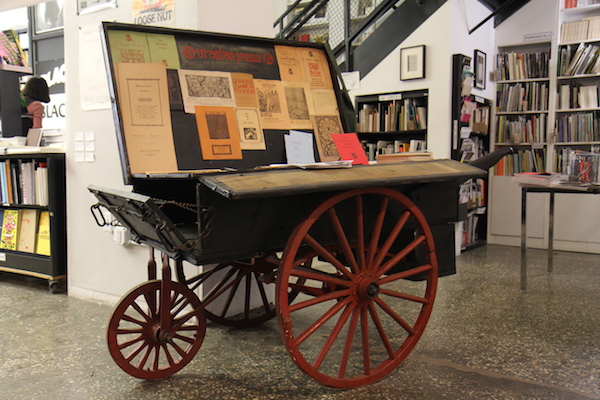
[350, 148]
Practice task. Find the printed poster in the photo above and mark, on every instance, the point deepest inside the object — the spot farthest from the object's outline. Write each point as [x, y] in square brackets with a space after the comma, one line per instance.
[325, 126]
[272, 104]
[218, 133]
[153, 12]
[205, 88]
[251, 133]
[144, 98]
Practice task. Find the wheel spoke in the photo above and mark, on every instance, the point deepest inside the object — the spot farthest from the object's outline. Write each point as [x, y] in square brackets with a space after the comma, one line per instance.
[177, 348]
[343, 240]
[333, 335]
[183, 338]
[317, 275]
[137, 308]
[326, 297]
[405, 296]
[263, 295]
[395, 316]
[360, 233]
[131, 342]
[168, 354]
[177, 323]
[151, 301]
[323, 252]
[144, 358]
[129, 318]
[380, 330]
[324, 318]
[247, 297]
[391, 239]
[308, 290]
[129, 331]
[195, 282]
[364, 325]
[156, 358]
[230, 297]
[373, 244]
[405, 274]
[348, 345]
[398, 257]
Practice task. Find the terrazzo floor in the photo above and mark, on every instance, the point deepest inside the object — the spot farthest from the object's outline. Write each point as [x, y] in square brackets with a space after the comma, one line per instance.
[486, 339]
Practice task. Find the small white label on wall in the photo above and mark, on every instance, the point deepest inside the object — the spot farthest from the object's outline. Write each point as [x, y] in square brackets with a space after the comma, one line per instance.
[2, 256]
[534, 37]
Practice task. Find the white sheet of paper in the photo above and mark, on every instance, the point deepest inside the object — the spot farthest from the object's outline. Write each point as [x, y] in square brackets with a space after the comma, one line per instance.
[299, 147]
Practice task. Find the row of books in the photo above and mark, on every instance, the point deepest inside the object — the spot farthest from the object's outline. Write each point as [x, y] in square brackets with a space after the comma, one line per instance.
[528, 65]
[579, 59]
[574, 95]
[533, 160]
[586, 29]
[393, 116]
[580, 3]
[26, 230]
[23, 182]
[578, 127]
[472, 193]
[523, 96]
[569, 162]
[391, 147]
[470, 229]
[523, 129]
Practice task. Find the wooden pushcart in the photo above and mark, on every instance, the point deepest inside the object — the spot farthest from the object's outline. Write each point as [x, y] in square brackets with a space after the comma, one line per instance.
[351, 253]
[344, 258]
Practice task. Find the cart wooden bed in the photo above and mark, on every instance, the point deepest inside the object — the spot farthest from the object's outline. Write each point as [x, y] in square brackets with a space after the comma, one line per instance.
[344, 258]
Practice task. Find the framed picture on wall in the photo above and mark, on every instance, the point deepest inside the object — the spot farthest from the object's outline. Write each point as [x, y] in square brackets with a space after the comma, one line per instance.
[480, 59]
[412, 63]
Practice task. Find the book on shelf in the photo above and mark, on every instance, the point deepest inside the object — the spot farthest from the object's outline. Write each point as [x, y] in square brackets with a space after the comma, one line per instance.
[10, 229]
[27, 230]
[392, 116]
[42, 240]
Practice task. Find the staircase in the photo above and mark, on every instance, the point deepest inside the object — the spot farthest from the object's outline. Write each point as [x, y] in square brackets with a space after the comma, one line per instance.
[361, 33]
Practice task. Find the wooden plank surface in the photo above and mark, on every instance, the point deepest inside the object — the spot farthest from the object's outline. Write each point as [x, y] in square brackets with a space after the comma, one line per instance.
[293, 181]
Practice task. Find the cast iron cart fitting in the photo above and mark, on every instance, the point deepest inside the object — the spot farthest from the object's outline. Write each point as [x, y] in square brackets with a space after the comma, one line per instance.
[350, 254]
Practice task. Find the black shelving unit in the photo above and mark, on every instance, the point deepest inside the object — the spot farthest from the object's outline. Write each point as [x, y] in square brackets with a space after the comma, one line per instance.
[10, 105]
[52, 267]
[382, 106]
[473, 208]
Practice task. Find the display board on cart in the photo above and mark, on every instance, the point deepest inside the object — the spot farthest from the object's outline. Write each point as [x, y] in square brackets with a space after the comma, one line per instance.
[189, 101]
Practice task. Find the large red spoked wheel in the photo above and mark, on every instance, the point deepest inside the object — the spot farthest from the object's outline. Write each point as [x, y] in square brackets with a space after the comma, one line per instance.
[136, 340]
[356, 319]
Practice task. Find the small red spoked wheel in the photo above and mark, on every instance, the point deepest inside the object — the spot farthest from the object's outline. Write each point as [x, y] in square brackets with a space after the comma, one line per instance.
[356, 318]
[138, 343]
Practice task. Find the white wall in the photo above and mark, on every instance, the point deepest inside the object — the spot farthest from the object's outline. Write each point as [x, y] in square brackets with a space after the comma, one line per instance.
[434, 34]
[466, 14]
[443, 34]
[98, 268]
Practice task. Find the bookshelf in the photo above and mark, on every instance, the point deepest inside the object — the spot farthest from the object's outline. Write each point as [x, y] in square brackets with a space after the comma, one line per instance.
[19, 194]
[522, 107]
[577, 120]
[470, 140]
[392, 122]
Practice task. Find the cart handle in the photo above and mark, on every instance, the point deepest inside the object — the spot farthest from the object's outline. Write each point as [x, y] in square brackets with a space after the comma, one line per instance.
[95, 209]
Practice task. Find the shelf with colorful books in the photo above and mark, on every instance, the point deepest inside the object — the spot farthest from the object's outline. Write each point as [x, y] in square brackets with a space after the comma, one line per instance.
[33, 216]
[392, 122]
